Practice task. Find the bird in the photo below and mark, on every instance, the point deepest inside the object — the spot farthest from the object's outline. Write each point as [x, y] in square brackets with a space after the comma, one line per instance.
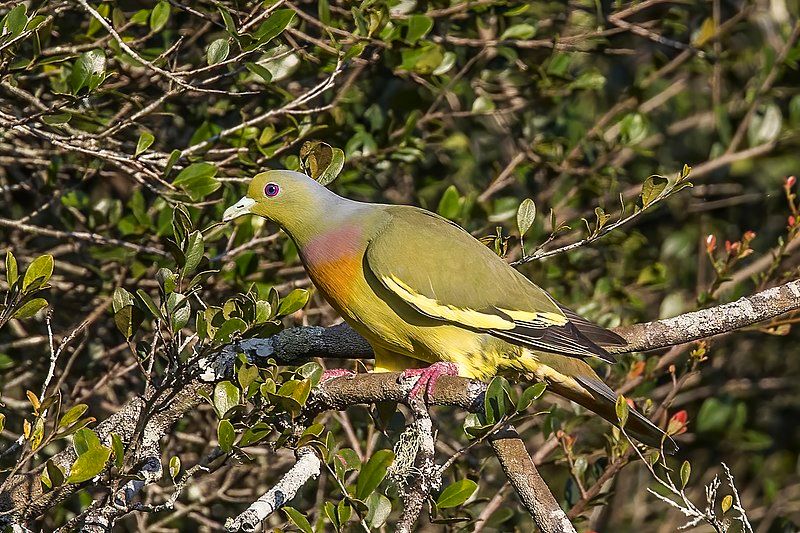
[432, 300]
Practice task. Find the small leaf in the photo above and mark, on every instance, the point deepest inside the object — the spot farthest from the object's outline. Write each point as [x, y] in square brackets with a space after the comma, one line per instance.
[11, 268]
[73, 415]
[198, 180]
[119, 450]
[686, 471]
[456, 494]
[145, 141]
[273, 26]
[128, 319]
[38, 273]
[727, 502]
[450, 203]
[298, 519]
[174, 467]
[120, 299]
[652, 189]
[260, 71]
[622, 410]
[227, 330]
[159, 16]
[373, 473]
[529, 395]
[16, 19]
[526, 214]
[378, 509]
[89, 464]
[54, 474]
[218, 51]
[418, 27]
[84, 440]
[194, 252]
[30, 308]
[226, 397]
[293, 301]
[225, 435]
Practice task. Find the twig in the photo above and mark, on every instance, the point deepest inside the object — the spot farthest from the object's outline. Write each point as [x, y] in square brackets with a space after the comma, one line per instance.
[305, 469]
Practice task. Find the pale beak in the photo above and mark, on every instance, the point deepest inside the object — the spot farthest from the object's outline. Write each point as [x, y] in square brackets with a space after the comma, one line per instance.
[242, 207]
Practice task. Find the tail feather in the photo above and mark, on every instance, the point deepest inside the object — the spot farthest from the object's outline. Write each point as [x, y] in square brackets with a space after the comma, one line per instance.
[602, 401]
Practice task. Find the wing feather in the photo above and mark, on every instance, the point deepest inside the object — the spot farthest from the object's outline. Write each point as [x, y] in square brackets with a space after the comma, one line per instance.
[452, 277]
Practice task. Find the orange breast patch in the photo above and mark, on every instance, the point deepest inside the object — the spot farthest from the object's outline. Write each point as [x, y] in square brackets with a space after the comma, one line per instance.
[336, 279]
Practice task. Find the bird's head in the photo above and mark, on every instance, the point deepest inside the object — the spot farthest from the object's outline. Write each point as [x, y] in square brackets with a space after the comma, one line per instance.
[283, 196]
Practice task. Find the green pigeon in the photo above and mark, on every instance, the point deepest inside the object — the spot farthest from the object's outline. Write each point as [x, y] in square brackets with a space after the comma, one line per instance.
[433, 300]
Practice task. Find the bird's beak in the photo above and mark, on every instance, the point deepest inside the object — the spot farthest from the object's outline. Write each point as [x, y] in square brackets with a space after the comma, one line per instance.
[242, 207]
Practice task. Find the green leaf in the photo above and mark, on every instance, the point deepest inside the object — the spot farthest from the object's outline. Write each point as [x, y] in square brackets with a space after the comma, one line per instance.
[16, 19]
[456, 494]
[686, 471]
[194, 252]
[273, 26]
[226, 397]
[418, 27]
[120, 299]
[145, 141]
[159, 16]
[298, 519]
[378, 509]
[57, 119]
[227, 19]
[73, 415]
[529, 395]
[246, 375]
[497, 401]
[30, 308]
[54, 474]
[218, 51]
[198, 180]
[128, 319]
[174, 467]
[260, 71]
[333, 169]
[149, 303]
[11, 268]
[526, 214]
[622, 410]
[293, 301]
[84, 440]
[225, 435]
[518, 31]
[652, 189]
[226, 331]
[88, 70]
[255, 434]
[38, 273]
[119, 450]
[373, 473]
[450, 203]
[89, 464]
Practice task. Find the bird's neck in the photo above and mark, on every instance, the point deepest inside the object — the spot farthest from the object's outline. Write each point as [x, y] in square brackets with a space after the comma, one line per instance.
[326, 220]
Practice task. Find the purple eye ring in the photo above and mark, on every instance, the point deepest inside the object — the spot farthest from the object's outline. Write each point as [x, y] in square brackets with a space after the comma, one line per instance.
[271, 190]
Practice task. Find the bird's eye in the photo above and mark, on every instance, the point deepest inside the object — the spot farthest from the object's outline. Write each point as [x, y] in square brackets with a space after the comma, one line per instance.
[272, 189]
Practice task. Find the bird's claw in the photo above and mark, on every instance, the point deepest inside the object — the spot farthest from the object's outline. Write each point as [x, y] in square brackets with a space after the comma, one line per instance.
[427, 377]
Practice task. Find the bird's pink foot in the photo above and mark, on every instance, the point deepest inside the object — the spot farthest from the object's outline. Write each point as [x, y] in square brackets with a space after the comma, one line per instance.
[335, 373]
[428, 377]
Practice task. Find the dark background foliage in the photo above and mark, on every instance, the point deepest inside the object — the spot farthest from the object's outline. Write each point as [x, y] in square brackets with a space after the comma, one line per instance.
[465, 108]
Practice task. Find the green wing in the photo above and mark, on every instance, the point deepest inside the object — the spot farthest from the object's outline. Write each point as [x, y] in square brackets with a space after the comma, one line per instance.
[443, 273]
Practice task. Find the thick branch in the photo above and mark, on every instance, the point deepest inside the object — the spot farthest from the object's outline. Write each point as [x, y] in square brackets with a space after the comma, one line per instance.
[533, 492]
